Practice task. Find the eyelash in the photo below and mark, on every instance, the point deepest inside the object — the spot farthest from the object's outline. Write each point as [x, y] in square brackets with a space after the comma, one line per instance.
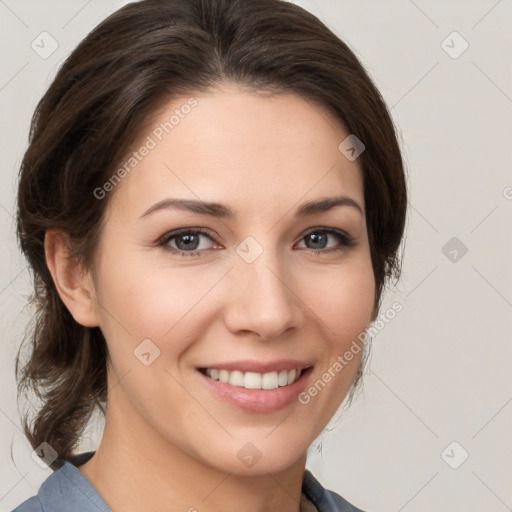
[342, 237]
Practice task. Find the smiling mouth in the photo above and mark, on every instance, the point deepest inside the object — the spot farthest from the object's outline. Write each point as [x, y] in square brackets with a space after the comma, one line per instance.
[255, 380]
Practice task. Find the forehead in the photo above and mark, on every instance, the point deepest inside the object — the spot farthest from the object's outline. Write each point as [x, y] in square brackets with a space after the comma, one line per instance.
[242, 148]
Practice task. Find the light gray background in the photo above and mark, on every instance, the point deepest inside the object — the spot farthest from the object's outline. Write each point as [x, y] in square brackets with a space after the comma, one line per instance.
[440, 371]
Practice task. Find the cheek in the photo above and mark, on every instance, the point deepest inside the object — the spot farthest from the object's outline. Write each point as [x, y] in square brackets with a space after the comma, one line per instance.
[170, 305]
[342, 299]
[140, 300]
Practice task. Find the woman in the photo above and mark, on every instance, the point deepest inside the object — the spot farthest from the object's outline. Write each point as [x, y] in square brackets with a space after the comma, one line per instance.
[212, 203]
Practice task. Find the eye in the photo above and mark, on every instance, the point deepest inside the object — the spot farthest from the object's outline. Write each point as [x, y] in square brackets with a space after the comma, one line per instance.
[318, 239]
[186, 240]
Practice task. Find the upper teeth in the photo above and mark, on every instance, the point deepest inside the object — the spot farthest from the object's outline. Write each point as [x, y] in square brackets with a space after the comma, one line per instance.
[253, 380]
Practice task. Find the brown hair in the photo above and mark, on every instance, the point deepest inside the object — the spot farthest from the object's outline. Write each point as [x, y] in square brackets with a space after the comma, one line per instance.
[138, 58]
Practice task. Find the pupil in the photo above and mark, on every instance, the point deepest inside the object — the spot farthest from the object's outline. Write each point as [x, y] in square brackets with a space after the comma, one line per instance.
[189, 241]
[318, 239]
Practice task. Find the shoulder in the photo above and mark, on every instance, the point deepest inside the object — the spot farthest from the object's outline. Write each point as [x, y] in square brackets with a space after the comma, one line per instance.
[48, 497]
[65, 490]
[323, 499]
[31, 505]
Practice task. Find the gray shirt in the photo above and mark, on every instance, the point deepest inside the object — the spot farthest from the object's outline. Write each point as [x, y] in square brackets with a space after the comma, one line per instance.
[68, 490]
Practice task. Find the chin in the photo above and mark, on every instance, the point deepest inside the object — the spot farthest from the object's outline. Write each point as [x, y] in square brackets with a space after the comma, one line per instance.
[258, 457]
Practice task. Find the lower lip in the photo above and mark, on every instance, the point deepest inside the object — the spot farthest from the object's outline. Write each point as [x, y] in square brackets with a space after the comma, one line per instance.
[258, 400]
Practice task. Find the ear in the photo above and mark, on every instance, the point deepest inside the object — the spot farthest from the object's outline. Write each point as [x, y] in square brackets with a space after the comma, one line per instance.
[75, 288]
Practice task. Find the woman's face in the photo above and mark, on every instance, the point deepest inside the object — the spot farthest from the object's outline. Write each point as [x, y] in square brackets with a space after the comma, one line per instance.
[266, 288]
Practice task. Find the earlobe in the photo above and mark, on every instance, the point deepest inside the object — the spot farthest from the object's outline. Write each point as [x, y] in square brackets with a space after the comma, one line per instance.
[75, 288]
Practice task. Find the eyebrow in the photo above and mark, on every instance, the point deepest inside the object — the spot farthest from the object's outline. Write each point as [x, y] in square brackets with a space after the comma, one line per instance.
[223, 211]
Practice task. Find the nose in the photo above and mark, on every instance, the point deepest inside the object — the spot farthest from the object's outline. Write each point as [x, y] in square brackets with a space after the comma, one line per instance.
[261, 298]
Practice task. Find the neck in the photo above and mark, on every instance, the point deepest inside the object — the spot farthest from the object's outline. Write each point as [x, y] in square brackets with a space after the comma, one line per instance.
[135, 468]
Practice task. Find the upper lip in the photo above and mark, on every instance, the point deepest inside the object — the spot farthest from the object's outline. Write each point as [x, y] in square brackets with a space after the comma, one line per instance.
[248, 365]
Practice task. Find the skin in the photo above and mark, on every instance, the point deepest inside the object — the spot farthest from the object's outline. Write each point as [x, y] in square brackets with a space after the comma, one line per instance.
[167, 439]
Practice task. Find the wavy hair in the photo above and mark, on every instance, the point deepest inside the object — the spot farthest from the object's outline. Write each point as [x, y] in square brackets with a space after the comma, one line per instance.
[92, 114]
